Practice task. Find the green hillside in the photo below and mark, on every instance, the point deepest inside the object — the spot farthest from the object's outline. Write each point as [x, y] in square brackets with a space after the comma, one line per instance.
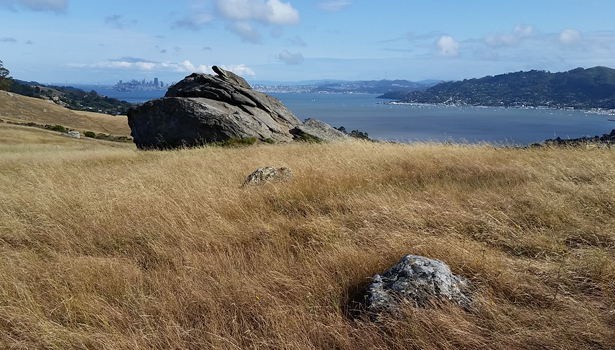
[579, 88]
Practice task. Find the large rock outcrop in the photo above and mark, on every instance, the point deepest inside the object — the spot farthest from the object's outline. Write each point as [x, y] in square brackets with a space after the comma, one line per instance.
[203, 109]
[416, 280]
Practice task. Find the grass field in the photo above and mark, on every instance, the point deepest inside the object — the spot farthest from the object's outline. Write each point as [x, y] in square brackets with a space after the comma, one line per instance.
[106, 247]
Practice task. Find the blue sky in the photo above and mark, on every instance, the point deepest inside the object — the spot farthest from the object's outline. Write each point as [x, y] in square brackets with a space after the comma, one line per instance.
[90, 41]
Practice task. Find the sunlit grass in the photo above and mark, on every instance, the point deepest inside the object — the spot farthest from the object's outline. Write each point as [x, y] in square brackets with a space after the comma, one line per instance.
[115, 248]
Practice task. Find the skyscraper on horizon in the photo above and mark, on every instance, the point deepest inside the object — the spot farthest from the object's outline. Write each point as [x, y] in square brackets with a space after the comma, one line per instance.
[156, 82]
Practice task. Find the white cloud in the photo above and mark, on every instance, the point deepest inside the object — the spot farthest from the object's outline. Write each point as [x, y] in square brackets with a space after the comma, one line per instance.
[334, 6]
[245, 31]
[239, 69]
[447, 46]
[37, 5]
[570, 37]
[519, 33]
[270, 11]
[291, 58]
[145, 65]
[188, 67]
[524, 31]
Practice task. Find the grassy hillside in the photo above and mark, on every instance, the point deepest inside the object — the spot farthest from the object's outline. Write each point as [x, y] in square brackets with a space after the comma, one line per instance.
[22, 109]
[72, 98]
[112, 248]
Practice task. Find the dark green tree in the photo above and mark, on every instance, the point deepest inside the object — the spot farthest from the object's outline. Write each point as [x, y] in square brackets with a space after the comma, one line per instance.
[5, 80]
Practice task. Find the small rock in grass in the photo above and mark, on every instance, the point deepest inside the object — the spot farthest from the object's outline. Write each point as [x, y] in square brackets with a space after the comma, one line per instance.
[74, 134]
[416, 280]
[268, 174]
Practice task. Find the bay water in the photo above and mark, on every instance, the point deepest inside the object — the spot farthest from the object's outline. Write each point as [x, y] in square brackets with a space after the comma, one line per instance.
[425, 123]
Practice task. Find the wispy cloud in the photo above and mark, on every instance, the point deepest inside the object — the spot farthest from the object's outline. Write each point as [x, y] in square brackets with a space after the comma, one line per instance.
[56, 6]
[277, 32]
[245, 31]
[8, 40]
[411, 37]
[519, 33]
[334, 6]
[291, 58]
[297, 41]
[194, 21]
[118, 21]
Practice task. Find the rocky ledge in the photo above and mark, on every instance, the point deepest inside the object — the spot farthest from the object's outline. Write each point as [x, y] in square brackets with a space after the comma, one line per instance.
[606, 140]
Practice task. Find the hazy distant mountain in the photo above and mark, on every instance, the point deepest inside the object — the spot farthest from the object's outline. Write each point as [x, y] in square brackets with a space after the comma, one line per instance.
[364, 87]
[579, 88]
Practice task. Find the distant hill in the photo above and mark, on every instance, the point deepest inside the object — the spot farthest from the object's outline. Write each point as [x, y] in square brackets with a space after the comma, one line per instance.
[70, 97]
[25, 110]
[579, 88]
[357, 87]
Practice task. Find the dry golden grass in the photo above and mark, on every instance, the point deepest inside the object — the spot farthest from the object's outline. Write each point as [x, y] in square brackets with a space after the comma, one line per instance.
[112, 248]
[23, 109]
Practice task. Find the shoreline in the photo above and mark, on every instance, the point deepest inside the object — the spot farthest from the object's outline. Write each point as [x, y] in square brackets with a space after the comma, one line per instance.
[598, 111]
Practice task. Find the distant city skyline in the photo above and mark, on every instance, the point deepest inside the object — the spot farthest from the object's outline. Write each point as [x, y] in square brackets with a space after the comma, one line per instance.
[85, 42]
[140, 85]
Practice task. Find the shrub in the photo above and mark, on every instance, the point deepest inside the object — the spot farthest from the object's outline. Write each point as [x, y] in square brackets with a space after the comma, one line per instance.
[90, 134]
[57, 127]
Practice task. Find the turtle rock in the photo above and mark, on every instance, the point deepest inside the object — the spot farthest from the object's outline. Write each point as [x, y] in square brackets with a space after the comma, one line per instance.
[416, 280]
[203, 109]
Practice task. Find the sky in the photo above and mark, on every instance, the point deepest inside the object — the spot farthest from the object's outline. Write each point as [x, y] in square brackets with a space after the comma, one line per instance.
[266, 41]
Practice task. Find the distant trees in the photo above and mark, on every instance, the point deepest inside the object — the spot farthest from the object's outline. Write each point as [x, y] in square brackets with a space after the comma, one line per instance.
[5, 80]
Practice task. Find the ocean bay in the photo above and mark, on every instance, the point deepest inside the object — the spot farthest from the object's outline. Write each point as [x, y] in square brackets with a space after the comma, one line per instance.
[424, 123]
[409, 123]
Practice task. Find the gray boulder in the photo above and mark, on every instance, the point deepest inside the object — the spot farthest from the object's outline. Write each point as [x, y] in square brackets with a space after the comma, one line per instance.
[203, 109]
[315, 129]
[416, 280]
[74, 134]
[267, 175]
